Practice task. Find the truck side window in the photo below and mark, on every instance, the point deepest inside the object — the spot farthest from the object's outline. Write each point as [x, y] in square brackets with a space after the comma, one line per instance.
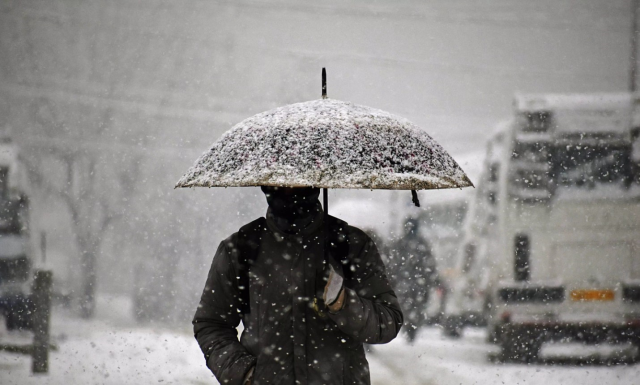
[537, 121]
[521, 253]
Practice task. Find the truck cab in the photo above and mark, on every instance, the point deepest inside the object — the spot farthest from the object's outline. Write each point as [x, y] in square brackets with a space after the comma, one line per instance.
[555, 235]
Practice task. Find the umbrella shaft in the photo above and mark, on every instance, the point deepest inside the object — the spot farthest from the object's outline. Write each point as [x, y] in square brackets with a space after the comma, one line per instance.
[324, 83]
[325, 201]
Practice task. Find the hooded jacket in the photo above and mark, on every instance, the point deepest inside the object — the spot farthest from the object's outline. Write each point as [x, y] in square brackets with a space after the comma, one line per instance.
[286, 340]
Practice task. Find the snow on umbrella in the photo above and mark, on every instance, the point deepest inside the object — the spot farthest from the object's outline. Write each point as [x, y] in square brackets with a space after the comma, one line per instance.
[326, 143]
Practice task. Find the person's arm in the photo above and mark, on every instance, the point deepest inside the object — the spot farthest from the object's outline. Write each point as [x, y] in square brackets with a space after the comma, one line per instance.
[216, 319]
[368, 310]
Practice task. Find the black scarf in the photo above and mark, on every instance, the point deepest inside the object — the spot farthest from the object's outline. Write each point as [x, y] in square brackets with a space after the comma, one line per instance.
[292, 209]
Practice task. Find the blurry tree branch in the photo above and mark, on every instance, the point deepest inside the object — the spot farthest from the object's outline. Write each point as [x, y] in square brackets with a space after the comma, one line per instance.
[93, 190]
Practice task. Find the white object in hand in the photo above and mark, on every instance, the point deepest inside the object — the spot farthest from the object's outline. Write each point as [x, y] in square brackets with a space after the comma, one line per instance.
[333, 288]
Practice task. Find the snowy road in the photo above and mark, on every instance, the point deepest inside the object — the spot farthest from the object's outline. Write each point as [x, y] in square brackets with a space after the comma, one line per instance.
[440, 361]
[113, 350]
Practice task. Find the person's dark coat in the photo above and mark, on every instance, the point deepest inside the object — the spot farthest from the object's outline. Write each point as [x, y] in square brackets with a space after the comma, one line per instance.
[284, 337]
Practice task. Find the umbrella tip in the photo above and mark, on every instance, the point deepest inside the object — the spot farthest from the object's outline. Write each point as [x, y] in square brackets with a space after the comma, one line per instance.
[324, 83]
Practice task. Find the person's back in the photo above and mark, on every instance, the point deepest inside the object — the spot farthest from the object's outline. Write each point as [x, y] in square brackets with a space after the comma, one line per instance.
[290, 335]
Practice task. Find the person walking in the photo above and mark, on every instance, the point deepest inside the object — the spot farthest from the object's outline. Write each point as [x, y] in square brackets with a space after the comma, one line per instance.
[309, 289]
[305, 317]
[412, 269]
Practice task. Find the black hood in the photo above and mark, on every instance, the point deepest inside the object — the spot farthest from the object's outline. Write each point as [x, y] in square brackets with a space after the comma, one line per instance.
[293, 207]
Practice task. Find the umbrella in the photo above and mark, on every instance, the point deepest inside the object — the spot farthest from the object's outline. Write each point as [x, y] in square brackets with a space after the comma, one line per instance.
[329, 144]
[326, 144]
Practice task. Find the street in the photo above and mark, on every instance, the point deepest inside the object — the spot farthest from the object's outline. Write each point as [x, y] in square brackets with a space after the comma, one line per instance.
[114, 350]
[433, 359]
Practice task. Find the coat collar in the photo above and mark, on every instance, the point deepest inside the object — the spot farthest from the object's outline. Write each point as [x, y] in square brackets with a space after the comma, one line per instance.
[312, 227]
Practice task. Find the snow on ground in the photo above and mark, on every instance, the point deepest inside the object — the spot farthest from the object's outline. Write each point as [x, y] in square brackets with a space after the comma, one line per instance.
[434, 359]
[112, 349]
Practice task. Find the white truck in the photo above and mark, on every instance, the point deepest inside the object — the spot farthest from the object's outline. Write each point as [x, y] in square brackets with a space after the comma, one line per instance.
[16, 260]
[552, 237]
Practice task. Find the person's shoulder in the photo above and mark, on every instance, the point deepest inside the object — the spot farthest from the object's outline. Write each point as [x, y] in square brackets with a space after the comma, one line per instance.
[247, 231]
[256, 225]
[358, 235]
[354, 234]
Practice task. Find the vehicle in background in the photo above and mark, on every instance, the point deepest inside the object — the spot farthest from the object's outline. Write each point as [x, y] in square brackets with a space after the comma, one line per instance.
[15, 251]
[467, 303]
[441, 221]
[551, 247]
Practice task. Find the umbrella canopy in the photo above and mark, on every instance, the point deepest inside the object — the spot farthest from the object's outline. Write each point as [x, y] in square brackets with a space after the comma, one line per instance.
[326, 143]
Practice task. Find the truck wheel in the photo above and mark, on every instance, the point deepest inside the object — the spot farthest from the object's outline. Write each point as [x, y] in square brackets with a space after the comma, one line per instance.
[520, 349]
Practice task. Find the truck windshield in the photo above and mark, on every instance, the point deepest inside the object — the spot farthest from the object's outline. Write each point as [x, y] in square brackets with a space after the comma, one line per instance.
[586, 166]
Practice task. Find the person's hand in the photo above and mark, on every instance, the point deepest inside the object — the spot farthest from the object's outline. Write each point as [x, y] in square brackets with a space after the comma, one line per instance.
[248, 379]
[333, 291]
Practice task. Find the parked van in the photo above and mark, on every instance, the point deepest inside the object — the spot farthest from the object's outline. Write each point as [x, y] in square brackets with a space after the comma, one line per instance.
[552, 238]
